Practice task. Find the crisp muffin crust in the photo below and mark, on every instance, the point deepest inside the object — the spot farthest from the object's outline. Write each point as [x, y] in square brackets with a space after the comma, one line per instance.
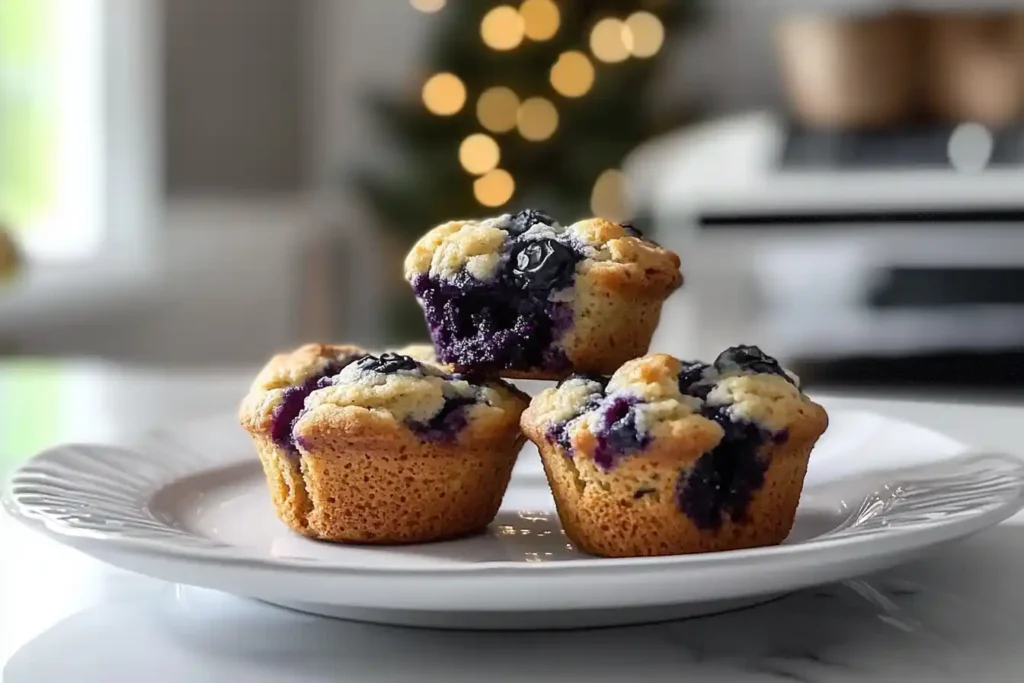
[384, 448]
[670, 457]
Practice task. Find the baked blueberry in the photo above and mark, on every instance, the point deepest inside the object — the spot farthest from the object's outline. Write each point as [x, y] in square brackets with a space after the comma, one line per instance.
[543, 264]
[524, 296]
[694, 379]
[389, 363]
[749, 359]
[672, 456]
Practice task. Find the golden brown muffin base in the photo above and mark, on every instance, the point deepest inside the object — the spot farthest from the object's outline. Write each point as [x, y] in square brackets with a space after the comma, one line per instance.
[600, 515]
[379, 496]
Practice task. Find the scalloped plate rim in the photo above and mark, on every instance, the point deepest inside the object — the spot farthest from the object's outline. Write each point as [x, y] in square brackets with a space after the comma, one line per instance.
[86, 540]
[964, 525]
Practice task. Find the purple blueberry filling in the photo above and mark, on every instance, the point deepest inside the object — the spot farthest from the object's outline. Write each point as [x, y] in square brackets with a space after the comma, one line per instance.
[724, 480]
[507, 323]
[288, 411]
[616, 431]
[446, 425]
[558, 432]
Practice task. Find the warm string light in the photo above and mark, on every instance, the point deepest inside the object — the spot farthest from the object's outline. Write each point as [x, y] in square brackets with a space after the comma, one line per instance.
[608, 198]
[610, 41]
[494, 188]
[496, 109]
[428, 6]
[572, 74]
[479, 154]
[641, 35]
[537, 119]
[444, 94]
[502, 28]
[541, 19]
[646, 34]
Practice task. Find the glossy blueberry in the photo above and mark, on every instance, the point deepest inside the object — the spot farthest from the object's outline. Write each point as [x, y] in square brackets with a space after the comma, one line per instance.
[691, 378]
[524, 220]
[388, 363]
[749, 359]
[542, 265]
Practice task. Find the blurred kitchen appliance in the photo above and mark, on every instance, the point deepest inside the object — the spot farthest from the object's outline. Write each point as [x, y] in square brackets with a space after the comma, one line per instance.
[849, 65]
[824, 256]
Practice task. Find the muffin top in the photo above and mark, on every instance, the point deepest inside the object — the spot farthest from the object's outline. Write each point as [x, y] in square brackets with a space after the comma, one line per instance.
[744, 393]
[531, 250]
[297, 394]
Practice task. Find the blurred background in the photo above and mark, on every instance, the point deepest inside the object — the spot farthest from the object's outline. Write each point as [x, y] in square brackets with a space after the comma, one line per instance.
[203, 182]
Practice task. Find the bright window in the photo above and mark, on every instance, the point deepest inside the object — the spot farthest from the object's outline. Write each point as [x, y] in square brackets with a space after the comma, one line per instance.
[52, 125]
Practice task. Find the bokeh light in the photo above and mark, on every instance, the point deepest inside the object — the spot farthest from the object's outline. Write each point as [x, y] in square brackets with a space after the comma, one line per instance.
[496, 109]
[537, 119]
[428, 6]
[444, 94]
[479, 154]
[573, 74]
[540, 19]
[646, 34]
[494, 188]
[610, 41]
[502, 28]
[608, 199]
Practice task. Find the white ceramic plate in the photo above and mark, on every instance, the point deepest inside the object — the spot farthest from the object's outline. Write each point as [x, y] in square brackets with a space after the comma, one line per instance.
[190, 507]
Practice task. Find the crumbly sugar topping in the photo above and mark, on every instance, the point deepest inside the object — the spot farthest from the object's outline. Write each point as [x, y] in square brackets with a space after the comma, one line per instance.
[658, 389]
[481, 248]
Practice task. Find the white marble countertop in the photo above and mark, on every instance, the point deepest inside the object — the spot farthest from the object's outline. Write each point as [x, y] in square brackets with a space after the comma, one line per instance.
[954, 615]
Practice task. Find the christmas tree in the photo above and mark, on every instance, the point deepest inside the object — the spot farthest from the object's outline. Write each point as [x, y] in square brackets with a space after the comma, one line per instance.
[533, 104]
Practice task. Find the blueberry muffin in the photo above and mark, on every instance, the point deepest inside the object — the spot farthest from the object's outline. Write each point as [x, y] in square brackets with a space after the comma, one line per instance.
[523, 296]
[381, 448]
[669, 457]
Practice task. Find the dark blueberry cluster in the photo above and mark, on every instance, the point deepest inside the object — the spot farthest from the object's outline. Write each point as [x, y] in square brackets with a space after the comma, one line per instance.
[507, 323]
[389, 363]
[691, 380]
[750, 360]
[724, 480]
[542, 264]
[746, 359]
[294, 399]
